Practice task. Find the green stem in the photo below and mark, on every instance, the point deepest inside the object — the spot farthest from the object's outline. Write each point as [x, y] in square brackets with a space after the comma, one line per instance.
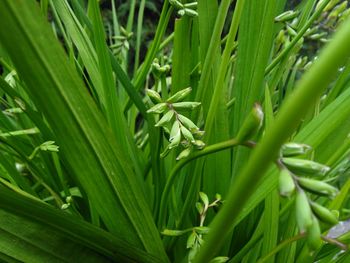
[207, 150]
[281, 246]
[295, 40]
[295, 107]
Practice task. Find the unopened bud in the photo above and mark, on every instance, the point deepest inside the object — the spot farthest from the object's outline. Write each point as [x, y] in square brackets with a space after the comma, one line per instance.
[251, 124]
[300, 166]
[314, 235]
[186, 105]
[324, 214]
[303, 211]
[180, 95]
[158, 108]
[286, 16]
[317, 187]
[286, 183]
[165, 119]
[187, 123]
[185, 153]
[294, 149]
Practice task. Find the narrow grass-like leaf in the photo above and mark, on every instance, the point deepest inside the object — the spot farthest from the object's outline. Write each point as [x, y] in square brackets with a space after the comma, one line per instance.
[86, 142]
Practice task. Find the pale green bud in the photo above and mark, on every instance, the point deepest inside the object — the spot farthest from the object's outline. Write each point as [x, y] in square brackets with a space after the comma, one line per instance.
[198, 144]
[187, 134]
[184, 154]
[303, 211]
[165, 119]
[291, 31]
[338, 9]
[191, 5]
[190, 12]
[186, 105]
[251, 124]
[158, 108]
[300, 166]
[318, 36]
[180, 95]
[49, 146]
[187, 123]
[314, 235]
[65, 206]
[286, 16]
[176, 4]
[316, 186]
[328, 7]
[294, 149]
[175, 135]
[286, 183]
[324, 214]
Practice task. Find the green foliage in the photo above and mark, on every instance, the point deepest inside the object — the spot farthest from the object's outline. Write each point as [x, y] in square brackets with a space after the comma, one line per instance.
[117, 131]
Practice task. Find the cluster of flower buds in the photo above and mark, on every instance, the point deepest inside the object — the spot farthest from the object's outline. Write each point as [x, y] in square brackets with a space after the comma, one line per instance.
[181, 130]
[158, 70]
[188, 9]
[121, 41]
[294, 180]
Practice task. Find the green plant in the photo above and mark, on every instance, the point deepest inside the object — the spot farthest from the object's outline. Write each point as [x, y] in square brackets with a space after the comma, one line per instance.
[106, 145]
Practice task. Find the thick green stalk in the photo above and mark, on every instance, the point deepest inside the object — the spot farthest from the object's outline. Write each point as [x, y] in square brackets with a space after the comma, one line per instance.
[294, 109]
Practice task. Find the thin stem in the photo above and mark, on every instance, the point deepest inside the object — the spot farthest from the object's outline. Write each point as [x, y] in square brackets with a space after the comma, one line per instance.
[281, 246]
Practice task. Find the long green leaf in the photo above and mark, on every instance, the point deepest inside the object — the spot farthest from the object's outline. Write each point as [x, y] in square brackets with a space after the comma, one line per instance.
[86, 142]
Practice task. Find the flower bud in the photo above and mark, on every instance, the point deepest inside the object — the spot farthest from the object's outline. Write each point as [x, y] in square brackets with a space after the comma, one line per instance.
[186, 105]
[294, 149]
[314, 235]
[286, 16]
[199, 144]
[324, 214]
[187, 123]
[180, 95]
[286, 183]
[187, 134]
[154, 96]
[185, 153]
[251, 124]
[301, 166]
[317, 187]
[291, 31]
[303, 211]
[158, 108]
[165, 119]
